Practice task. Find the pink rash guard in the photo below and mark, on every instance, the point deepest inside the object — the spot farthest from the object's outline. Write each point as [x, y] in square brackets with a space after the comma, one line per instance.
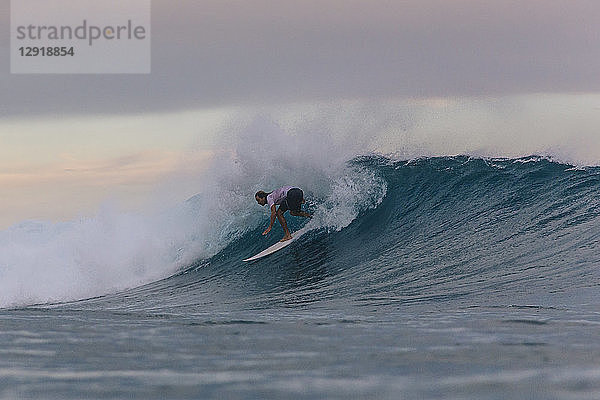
[278, 195]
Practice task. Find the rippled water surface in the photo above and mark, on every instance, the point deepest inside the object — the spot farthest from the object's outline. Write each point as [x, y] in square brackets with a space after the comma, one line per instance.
[463, 279]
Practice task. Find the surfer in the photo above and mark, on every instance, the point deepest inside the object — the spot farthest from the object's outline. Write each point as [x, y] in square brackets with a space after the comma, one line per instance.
[287, 198]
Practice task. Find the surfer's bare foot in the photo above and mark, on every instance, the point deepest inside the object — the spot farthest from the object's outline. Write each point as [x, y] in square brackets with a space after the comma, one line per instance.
[285, 238]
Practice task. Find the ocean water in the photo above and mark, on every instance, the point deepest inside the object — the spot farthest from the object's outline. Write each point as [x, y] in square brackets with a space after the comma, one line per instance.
[430, 278]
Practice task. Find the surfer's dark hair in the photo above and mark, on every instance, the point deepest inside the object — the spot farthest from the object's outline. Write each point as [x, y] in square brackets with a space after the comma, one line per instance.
[261, 194]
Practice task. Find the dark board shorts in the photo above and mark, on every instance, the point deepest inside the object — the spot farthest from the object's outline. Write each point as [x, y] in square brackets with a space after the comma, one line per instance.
[293, 201]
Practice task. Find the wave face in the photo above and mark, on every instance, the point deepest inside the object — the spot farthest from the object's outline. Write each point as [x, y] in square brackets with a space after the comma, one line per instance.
[435, 227]
[431, 230]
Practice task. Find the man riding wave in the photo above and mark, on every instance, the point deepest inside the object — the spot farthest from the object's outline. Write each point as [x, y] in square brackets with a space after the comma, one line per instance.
[287, 198]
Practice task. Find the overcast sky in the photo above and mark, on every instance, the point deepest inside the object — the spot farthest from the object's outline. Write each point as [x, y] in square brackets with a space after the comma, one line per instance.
[213, 53]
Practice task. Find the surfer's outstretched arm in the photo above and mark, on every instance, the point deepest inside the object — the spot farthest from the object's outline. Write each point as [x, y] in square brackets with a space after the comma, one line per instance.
[273, 216]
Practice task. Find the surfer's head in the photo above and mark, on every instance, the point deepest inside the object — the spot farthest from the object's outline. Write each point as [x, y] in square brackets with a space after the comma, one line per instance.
[261, 197]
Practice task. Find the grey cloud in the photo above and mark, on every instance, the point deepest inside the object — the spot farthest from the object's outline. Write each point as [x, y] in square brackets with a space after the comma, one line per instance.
[221, 52]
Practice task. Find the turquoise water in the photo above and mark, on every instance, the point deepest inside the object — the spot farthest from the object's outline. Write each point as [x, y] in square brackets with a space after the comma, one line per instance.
[456, 278]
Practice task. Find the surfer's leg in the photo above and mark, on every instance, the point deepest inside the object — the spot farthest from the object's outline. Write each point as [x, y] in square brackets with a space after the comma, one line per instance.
[295, 199]
[301, 214]
[286, 231]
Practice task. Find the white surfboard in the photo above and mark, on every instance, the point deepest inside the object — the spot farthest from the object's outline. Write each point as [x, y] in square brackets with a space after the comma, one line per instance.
[278, 245]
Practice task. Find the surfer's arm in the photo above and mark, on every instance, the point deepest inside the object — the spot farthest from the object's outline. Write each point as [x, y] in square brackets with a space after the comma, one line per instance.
[273, 216]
